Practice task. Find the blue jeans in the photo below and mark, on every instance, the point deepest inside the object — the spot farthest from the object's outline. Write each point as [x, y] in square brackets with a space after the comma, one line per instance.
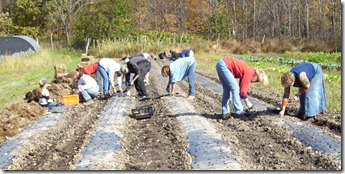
[191, 79]
[229, 84]
[314, 100]
[51, 105]
[99, 81]
[88, 94]
[104, 74]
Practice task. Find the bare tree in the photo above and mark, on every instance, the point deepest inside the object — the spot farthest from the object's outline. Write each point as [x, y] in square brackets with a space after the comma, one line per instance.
[307, 18]
[67, 11]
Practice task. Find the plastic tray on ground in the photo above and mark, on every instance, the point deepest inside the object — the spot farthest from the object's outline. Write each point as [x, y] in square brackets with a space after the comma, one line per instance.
[70, 100]
[143, 112]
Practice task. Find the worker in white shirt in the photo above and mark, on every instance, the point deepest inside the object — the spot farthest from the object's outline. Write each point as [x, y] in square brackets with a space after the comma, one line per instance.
[44, 99]
[87, 86]
[107, 68]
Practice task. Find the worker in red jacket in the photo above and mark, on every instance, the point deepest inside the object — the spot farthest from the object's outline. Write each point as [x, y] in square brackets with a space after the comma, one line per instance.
[229, 69]
[90, 69]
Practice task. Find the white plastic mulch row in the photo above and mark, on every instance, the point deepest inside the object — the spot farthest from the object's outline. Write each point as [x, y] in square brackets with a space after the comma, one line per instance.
[102, 150]
[315, 139]
[207, 148]
[10, 150]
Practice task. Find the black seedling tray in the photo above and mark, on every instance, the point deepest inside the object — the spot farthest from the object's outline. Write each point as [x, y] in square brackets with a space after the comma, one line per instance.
[143, 112]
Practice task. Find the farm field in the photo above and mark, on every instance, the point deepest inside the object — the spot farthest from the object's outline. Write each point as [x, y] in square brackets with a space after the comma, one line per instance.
[181, 135]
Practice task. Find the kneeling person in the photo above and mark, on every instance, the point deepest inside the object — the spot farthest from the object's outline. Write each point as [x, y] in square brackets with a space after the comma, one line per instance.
[87, 86]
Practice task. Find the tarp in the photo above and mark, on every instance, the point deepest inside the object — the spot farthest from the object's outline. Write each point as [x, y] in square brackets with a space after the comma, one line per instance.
[17, 46]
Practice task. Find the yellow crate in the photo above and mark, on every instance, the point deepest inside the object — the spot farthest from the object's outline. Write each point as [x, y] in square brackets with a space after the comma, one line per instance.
[70, 100]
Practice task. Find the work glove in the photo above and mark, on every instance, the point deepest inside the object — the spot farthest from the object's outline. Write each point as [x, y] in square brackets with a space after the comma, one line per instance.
[296, 97]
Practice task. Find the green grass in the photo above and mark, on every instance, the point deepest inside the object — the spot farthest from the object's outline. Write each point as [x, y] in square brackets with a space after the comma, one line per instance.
[320, 57]
[21, 75]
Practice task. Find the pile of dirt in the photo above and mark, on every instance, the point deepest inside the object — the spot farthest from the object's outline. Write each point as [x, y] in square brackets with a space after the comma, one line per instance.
[20, 114]
[17, 116]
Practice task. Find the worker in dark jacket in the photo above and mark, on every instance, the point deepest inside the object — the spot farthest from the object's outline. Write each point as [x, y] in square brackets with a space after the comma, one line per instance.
[184, 53]
[140, 66]
[146, 56]
[174, 55]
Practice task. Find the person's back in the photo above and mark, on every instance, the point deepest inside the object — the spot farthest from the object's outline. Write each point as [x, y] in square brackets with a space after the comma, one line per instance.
[147, 56]
[90, 68]
[178, 68]
[174, 55]
[238, 67]
[86, 81]
[136, 59]
[109, 64]
[88, 87]
[140, 66]
[107, 68]
[139, 61]
[308, 68]
[187, 53]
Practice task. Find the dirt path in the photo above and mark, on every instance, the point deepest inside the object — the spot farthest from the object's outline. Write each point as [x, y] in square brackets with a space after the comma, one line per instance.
[156, 143]
[181, 135]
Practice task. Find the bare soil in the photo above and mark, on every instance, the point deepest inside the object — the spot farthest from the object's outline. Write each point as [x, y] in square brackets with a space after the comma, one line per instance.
[158, 143]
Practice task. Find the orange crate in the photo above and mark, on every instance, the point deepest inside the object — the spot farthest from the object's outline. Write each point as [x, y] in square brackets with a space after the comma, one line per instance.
[70, 100]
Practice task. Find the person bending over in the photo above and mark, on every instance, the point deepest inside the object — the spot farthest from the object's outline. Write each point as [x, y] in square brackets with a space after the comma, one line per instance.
[308, 77]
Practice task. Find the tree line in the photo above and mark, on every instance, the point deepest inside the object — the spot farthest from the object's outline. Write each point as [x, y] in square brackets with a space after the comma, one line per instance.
[72, 21]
